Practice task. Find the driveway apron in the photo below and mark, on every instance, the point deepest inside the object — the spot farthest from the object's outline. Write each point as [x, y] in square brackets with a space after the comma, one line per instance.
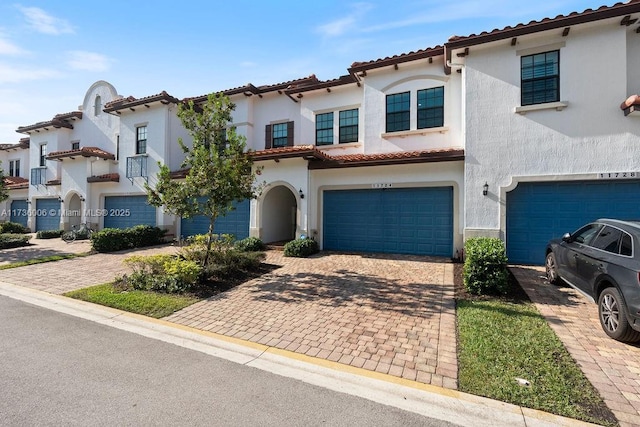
[612, 367]
[389, 314]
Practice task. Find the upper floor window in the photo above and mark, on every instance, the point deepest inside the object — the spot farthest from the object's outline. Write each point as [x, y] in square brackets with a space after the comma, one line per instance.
[14, 167]
[431, 108]
[279, 135]
[97, 107]
[540, 78]
[141, 140]
[324, 129]
[75, 145]
[43, 154]
[398, 112]
[348, 126]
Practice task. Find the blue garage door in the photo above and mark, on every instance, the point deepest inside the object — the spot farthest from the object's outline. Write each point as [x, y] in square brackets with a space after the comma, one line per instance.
[47, 214]
[404, 221]
[235, 222]
[538, 212]
[127, 211]
[19, 212]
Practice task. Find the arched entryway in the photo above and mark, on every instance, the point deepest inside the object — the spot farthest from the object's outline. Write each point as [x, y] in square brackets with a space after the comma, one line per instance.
[279, 210]
[74, 211]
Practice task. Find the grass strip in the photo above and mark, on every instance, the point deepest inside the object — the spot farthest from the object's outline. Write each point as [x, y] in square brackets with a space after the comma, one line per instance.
[141, 302]
[500, 341]
[51, 258]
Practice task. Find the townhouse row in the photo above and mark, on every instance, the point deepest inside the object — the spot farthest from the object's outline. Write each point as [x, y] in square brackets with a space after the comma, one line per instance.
[521, 133]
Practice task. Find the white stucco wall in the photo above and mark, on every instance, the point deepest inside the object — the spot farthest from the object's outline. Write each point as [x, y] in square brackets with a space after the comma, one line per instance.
[276, 108]
[589, 136]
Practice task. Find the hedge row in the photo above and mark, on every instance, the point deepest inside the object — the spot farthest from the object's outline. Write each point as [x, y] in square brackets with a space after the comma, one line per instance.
[13, 228]
[12, 240]
[116, 239]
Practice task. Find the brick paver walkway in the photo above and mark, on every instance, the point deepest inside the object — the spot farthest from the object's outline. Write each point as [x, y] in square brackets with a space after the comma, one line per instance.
[76, 273]
[394, 315]
[39, 248]
[611, 366]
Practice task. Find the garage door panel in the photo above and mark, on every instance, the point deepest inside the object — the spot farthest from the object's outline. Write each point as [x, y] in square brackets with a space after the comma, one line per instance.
[19, 210]
[411, 220]
[538, 212]
[128, 211]
[47, 214]
[235, 222]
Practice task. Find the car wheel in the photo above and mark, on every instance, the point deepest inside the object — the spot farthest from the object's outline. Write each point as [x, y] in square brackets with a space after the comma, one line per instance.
[552, 269]
[613, 316]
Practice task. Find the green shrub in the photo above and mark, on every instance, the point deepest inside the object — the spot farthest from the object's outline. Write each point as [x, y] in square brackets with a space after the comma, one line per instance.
[162, 273]
[232, 262]
[301, 248]
[250, 244]
[13, 228]
[116, 239]
[485, 266]
[49, 234]
[12, 240]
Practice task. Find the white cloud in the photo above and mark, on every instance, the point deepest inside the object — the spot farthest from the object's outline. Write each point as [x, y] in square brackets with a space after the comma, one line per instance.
[8, 48]
[345, 24]
[12, 74]
[88, 61]
[45, 23]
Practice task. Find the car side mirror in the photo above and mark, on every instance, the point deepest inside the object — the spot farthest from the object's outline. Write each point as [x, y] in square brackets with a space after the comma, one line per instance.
[566, 237]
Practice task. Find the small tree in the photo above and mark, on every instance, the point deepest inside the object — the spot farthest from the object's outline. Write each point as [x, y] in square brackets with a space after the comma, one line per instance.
[4, 194]
[219, 171]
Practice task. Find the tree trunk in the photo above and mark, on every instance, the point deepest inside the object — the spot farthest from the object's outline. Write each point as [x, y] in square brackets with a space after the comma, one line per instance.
[209, 242]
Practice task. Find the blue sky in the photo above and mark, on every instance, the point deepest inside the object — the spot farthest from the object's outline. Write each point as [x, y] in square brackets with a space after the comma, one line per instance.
[51, 52]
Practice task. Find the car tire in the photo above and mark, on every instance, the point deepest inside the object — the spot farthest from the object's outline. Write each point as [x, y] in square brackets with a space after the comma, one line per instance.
[613, 316]
[551, 267]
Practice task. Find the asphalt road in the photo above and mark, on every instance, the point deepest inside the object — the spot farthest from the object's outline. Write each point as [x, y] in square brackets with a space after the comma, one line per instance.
[57, 369]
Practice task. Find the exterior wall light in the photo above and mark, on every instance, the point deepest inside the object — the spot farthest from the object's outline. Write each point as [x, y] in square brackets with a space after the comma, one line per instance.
[301, 193]
[60, 199]
[485, 189]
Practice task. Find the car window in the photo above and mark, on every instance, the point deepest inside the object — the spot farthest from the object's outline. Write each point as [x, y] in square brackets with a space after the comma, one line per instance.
[608, 239]
[586, 233]
[626, 248]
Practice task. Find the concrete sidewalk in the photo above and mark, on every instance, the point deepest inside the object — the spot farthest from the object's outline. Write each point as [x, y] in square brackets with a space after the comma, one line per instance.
[435, 402]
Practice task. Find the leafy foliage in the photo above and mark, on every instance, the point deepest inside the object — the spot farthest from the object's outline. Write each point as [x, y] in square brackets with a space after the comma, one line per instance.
[250, 244]
[8, 240]
[49, 234]
[301, 248]
[4, 193]
[13, 227]
[116, 239]
[485, 266]
[219, 172]
[162, 273]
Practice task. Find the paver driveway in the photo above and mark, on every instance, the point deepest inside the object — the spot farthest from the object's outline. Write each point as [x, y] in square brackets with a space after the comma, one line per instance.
[611, 366]
[389, 314]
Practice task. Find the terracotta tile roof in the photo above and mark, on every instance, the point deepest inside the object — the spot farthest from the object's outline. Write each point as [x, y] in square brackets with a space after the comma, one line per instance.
[59, 121]
[130, 101]
[396, 59]
[16, 182]
[560, 21]
[320, 160]
[83, 151]
[107, 177]
[327, 84]
[250, 89]
[309, 151]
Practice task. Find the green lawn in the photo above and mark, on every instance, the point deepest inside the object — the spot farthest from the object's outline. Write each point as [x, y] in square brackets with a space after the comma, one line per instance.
[150, 304]
[41, 260]
[500, 341]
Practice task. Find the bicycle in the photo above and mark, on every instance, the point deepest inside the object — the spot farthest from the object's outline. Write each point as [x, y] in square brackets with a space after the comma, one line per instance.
[83, 232]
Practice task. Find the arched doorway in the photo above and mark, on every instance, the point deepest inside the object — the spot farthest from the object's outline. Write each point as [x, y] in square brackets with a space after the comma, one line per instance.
[279, 209]
[74, 211]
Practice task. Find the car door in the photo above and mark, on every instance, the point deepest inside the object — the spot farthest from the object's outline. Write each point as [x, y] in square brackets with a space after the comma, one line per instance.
[570, 249]
[593, 259]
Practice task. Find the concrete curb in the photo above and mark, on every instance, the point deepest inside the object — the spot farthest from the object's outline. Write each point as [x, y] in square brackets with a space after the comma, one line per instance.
[428, 400]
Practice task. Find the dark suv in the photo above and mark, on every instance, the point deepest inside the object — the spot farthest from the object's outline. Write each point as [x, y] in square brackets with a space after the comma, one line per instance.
[602, 260]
